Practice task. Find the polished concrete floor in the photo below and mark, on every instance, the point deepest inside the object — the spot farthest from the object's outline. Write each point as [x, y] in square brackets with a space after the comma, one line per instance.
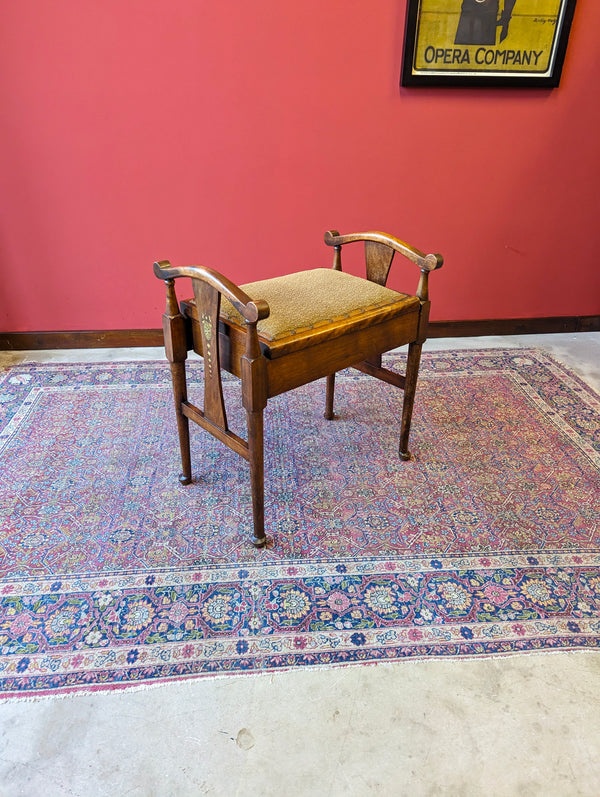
[521, 725]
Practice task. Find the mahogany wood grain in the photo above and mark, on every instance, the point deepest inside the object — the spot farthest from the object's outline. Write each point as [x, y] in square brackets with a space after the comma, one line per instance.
[378, 259]
[309, 364]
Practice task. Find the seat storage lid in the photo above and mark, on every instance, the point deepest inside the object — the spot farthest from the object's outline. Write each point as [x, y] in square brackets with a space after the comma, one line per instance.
[307, 300]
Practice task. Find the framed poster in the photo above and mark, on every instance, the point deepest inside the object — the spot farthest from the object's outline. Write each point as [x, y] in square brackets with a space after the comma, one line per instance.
[485, 42]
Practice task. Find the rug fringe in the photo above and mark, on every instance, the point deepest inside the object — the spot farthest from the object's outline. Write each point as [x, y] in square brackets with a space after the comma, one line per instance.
[122, 689]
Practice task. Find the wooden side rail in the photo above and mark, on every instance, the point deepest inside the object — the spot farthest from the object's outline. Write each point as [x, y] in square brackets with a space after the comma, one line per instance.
[229, 438]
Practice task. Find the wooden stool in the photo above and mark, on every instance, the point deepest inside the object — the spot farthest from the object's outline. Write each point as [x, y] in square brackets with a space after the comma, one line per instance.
[280, 333]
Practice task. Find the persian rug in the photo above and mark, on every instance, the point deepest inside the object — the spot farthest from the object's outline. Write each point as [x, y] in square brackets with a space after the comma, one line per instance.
[113, 575]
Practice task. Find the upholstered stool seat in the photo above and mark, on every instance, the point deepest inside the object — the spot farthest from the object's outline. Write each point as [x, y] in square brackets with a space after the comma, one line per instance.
[316, 304]
[280, 333]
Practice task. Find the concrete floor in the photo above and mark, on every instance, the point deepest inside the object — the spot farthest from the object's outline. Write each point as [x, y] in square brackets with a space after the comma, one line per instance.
[520, 725]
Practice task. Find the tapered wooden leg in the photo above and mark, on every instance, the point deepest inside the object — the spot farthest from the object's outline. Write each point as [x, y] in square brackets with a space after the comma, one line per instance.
[253, 367]
[412, 374]
[175, 334]
[329, 392]
[183, 425]
[257, 475]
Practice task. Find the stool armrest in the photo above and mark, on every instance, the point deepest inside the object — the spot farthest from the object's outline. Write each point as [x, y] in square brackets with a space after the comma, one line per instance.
[252, 310]
[423, 261]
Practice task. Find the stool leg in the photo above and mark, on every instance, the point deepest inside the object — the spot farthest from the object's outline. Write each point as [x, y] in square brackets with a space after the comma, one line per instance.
[329, 392]
[412, 374]
[175, 335]
[183, 424]
[257, 475]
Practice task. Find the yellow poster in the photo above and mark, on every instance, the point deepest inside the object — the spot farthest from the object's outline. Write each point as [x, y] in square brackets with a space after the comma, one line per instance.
[489, 37]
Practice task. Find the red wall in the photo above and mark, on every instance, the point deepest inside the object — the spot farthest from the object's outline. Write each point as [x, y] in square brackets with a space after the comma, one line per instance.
[234, 134]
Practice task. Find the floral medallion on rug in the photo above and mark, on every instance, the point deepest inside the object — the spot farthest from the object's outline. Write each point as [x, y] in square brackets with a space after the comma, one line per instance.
[112, 574]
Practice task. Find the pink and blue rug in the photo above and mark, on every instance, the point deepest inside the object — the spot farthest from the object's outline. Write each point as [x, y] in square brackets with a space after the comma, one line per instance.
[114, 575]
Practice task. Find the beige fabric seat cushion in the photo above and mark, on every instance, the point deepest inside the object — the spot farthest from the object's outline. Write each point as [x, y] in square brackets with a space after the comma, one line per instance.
[309, 300]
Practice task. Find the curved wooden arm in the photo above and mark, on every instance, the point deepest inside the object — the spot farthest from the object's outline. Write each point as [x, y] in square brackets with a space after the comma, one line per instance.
[252, 310]
[423, 261]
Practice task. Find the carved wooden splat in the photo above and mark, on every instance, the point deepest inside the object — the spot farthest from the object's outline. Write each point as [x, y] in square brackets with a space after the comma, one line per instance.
[378, 259]
[208, 301]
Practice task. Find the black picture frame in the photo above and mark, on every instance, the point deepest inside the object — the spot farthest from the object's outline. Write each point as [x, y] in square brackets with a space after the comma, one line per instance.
[468, 42]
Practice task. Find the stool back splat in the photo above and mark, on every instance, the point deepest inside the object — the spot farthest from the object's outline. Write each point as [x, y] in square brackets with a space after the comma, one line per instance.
[278, 334]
